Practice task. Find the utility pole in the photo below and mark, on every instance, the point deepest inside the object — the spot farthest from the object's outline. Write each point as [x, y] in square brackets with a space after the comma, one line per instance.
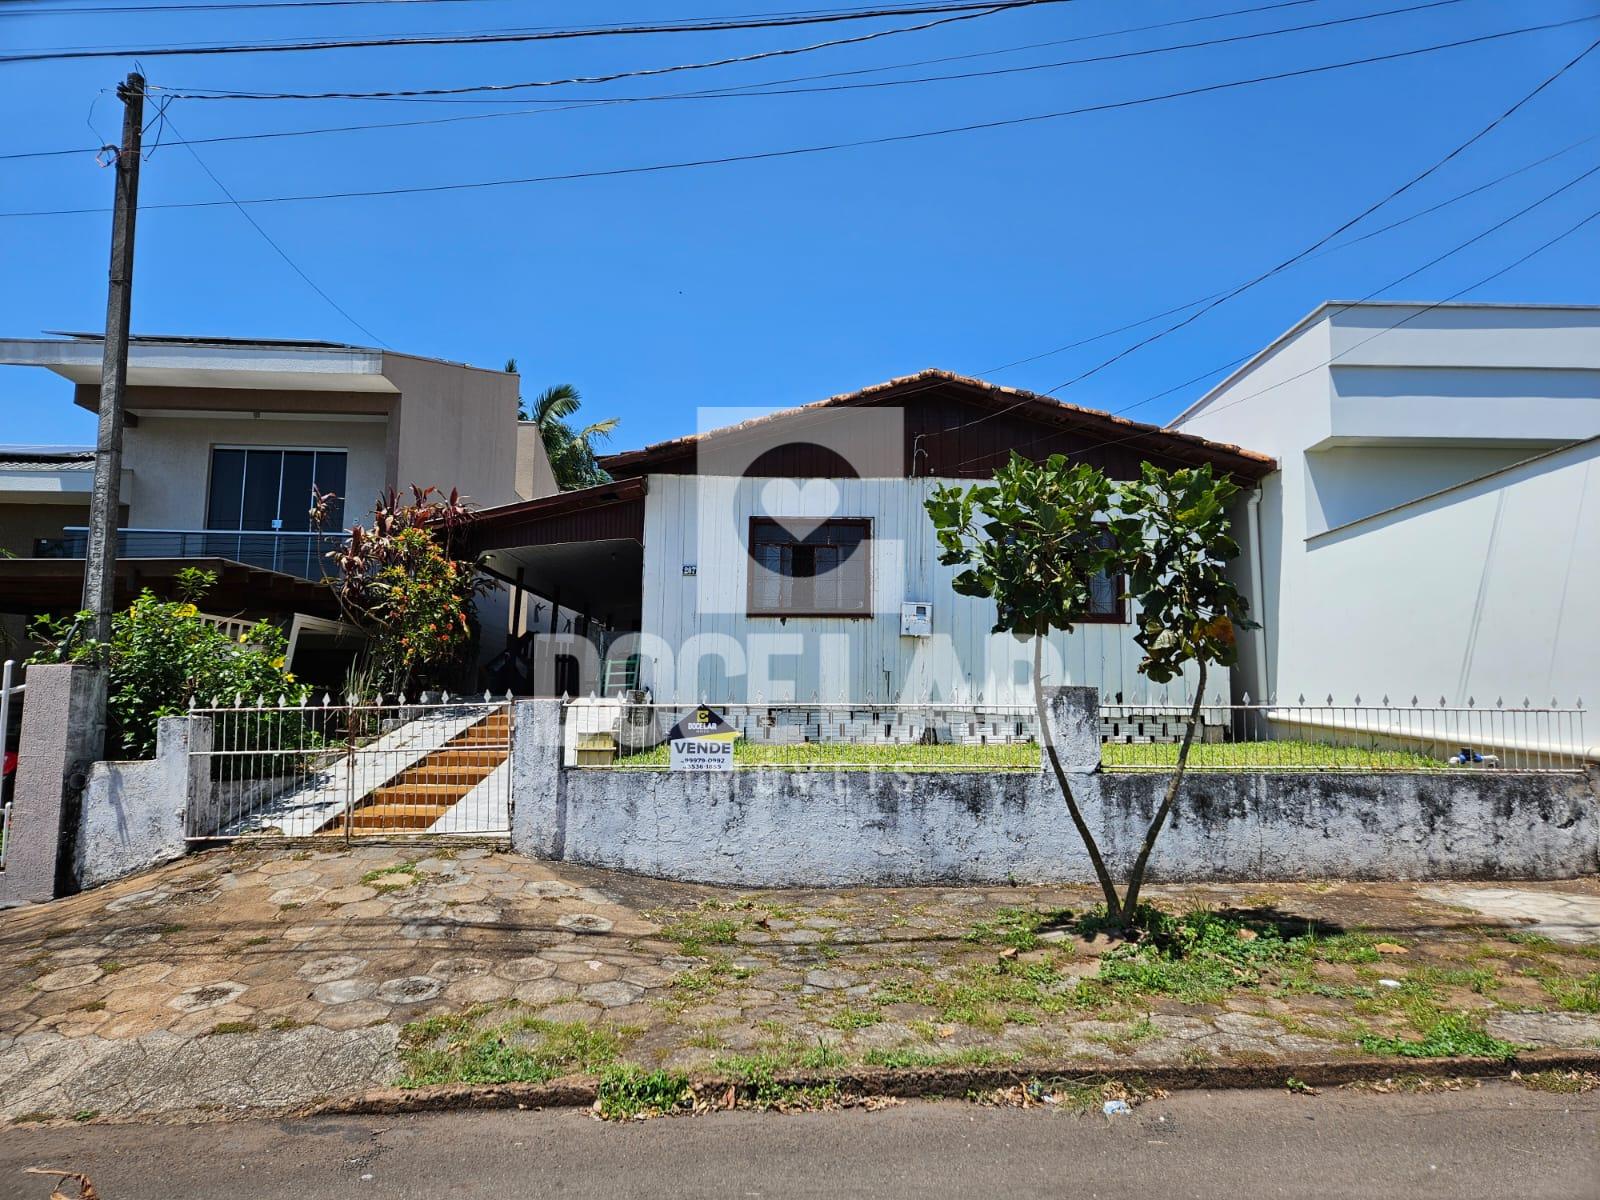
[100, 557]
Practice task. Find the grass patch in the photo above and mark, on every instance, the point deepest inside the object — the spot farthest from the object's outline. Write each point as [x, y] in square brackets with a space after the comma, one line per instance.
[711, 924]
[465, 1048]
[94, 1006]
[1280, 755]
[226, 1027]
[989, 996]
[757, 1084]
[854, 1018]
[392, 878]
[627, 1092]
[1015, 756]
[1449, 1035]
[85, 1114]
[1017, 928]
[912, 1057]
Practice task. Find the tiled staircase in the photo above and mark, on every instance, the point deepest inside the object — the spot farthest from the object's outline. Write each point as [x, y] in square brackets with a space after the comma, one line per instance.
[417, 797]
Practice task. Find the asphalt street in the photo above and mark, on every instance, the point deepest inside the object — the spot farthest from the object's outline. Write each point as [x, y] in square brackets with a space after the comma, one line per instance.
[1497, 1140]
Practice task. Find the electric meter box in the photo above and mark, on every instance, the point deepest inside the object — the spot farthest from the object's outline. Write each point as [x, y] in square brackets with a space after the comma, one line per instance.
[916, 619]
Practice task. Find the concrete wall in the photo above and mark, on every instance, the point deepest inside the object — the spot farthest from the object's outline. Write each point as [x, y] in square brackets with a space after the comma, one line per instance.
[847, 828]
[133, 812]
[170, 458]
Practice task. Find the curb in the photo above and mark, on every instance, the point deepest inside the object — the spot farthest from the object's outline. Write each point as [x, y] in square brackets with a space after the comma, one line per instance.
[927, 1083]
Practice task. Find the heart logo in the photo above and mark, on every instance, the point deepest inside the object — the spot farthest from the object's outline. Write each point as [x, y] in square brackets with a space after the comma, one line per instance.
[799, 507]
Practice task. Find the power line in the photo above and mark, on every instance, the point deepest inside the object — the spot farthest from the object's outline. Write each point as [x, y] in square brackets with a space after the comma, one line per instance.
[203, 93]
[546, 35]
[268, 238]
[1432, 262]
[1355, 220]
[1216, 301]
[797, 151]
[1382, 229]
[182, 93]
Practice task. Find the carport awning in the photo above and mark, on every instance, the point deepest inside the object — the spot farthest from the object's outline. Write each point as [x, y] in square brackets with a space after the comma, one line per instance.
[584, 547]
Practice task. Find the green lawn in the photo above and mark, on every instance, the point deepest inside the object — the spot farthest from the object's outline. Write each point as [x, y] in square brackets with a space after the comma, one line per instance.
[1025, 756]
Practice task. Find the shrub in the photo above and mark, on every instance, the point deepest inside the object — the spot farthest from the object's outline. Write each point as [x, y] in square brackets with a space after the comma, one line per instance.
[163, 654]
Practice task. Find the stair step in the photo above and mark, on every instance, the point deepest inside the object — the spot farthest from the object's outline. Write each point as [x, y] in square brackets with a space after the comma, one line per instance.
[420, 793]
[487, 757]
[445, 774]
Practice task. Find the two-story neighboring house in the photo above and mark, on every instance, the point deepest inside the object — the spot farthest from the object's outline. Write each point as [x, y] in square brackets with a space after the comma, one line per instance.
[1433, 529]
[225, 440]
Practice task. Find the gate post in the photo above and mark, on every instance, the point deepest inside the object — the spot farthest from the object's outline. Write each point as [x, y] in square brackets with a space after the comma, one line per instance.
[538, 792]
[137, 815]
[62, 734]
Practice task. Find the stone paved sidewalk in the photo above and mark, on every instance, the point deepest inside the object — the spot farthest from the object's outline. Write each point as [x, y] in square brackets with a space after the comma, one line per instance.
[258, 978]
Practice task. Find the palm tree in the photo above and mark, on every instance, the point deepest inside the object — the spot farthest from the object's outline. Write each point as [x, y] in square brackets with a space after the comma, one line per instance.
[570, 451]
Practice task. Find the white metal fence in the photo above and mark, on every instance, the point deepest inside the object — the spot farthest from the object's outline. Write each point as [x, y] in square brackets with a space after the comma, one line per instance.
[1359, 737]
[440, 766]
[619, 734]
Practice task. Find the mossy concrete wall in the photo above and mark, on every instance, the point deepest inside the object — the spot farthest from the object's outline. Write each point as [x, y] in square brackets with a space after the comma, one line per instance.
[774, 828]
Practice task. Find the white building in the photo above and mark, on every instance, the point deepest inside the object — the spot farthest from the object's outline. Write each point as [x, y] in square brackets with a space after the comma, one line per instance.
[785, 558]
[1433, 529]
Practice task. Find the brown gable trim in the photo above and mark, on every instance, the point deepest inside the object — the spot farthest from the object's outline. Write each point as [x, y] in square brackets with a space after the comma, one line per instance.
[606, 511]
[1102, 428]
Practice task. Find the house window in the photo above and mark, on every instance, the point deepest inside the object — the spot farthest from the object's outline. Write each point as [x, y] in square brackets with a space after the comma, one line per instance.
[1106, 606]
[270, 490]
[809, 568]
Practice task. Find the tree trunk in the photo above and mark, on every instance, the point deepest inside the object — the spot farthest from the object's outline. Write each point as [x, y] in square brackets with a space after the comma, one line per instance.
[1047, 733]
[1136, 876]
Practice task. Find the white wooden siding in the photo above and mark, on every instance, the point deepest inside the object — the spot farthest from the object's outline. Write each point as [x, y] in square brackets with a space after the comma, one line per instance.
[698, 644]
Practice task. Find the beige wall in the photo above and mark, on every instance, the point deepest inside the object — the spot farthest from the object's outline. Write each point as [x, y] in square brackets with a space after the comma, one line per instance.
[534, 477]
[170, 459]
[456, 429]
[20, 524]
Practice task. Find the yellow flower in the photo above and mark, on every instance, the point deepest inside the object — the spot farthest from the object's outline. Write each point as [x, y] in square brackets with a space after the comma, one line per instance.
[289, 676]
[243, 638]
[187, 610]
[278, 662]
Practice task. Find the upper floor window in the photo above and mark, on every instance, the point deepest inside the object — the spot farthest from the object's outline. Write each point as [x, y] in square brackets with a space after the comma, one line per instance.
[802, 568]
[270, 490]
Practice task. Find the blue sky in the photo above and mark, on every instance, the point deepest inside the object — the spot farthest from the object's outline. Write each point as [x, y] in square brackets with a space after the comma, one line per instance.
[779, 282]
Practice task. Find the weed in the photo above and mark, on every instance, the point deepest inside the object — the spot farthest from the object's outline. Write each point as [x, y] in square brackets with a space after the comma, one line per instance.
[757, 1082]
[908, 1057]
[1565, 1083]
[1299, 1086]
[1449, 1035]
[29, 1118]
[112, 967]
[392, 878]
[94, 1006]
[260, 940]
[694, 931]
[523, 1049]
[1017, 928]
[854, 1018]
[284, 1024]
[85, 1114]
[627, 1092]
[234, 1027]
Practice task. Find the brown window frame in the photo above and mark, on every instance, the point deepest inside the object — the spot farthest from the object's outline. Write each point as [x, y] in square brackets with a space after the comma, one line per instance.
[864, 549]
[1119, 615]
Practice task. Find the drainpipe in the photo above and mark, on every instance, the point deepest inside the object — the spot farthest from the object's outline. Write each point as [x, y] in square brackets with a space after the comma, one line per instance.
[1258, 596]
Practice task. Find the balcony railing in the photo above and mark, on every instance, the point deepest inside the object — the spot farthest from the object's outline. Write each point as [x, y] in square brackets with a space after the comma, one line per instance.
[300, 554]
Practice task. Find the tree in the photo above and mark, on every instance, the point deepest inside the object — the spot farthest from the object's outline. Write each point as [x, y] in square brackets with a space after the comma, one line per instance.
[1035, 540]
[1172, 534]
[570, 451]
[400, 581]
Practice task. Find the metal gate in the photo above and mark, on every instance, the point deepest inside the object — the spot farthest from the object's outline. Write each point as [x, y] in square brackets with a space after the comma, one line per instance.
[437, 768]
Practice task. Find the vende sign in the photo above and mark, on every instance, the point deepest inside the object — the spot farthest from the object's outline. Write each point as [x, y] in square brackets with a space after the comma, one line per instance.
[702, 741]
